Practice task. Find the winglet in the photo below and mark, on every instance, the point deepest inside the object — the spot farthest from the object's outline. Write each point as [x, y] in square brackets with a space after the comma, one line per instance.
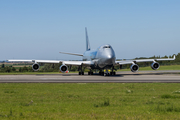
[174, 57]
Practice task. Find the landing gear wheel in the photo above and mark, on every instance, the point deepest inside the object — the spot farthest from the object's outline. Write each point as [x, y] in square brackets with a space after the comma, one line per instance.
[102, 73]
[90, 73]
[81, 73]
[106, 74]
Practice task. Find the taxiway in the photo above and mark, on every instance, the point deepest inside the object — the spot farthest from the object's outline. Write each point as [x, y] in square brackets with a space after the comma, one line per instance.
[121, 77]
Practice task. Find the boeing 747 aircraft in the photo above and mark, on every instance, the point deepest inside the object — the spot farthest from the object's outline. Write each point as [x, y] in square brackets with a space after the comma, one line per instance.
[103, 59]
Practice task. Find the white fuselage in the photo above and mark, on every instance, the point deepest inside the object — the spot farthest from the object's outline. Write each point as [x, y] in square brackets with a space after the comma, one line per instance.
[104, 57]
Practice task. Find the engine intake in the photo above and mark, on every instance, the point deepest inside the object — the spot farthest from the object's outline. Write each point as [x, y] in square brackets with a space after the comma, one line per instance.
[63, 69]
[155, 66]
[134, 67]
[35, 67]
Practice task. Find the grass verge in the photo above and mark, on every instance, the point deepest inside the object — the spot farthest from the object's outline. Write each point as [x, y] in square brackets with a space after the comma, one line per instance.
[157, 101]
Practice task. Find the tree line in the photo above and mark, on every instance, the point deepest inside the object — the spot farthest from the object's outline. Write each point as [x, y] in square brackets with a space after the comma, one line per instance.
[55, 67]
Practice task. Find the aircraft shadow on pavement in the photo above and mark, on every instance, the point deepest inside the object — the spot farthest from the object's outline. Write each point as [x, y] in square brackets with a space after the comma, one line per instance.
[96, 74]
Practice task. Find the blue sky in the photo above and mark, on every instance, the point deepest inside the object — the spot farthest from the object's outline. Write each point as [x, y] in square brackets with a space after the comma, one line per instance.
[39, 29]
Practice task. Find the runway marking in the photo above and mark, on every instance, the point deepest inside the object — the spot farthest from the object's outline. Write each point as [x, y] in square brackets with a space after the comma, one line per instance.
[53, 78]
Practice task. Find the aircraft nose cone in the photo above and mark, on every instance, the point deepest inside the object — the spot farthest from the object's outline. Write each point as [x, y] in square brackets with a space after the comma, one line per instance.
[110, 59]
[110, 56]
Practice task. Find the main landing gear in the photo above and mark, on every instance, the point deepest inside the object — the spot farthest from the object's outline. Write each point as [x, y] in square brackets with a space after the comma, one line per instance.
[101, 72]
[81, 71]
[112, 73]
[90, 72]
[105, 72]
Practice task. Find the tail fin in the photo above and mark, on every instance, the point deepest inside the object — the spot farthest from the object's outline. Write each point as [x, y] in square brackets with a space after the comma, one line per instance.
[87, 41]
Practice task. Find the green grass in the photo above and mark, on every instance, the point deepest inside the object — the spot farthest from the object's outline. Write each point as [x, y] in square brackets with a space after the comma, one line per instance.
[157, 101]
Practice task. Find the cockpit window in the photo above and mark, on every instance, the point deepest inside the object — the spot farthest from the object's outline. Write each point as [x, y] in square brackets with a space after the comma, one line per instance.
[106, 47]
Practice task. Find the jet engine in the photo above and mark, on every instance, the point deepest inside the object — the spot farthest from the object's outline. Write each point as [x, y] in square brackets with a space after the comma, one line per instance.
[35, 67]
[134, 67]
[155, 65]
[63, 69]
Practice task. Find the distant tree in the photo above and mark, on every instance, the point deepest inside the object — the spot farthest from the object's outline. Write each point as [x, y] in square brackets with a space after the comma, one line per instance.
[2, 66]
[74, 68]
[24, 69]
[51, 67]
[13, 69]
[20, 70]
[30, 69]
[7, 69]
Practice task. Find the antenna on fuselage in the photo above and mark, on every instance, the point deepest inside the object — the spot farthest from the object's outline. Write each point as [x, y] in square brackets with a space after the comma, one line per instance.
[87, 41]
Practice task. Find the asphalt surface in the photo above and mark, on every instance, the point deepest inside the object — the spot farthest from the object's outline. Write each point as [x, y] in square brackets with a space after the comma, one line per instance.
[120, 77]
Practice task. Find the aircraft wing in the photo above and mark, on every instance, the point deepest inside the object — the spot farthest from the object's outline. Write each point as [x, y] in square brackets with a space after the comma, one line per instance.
[143, 60]
[76, 63]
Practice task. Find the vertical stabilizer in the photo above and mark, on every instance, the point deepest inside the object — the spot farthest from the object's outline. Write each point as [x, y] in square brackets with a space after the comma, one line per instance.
[87, 41]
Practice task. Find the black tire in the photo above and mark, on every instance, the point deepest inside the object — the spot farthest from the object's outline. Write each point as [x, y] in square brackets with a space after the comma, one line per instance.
[102, 73]
[88, 73]
[91, 73]
[79, 73]
[82, 73]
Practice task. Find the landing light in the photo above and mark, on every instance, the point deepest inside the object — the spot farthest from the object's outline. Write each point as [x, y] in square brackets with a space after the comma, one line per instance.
[108, 70]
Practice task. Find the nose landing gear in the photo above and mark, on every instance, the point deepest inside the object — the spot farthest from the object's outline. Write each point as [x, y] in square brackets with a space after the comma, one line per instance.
[106, 73]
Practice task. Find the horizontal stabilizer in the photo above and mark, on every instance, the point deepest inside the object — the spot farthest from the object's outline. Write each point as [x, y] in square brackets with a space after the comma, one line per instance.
[71, 54]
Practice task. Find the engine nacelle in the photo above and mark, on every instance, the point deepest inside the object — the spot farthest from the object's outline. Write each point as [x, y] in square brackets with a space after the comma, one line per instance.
[63, 69]
[134, 67]
[155, 65]
[35, 67]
